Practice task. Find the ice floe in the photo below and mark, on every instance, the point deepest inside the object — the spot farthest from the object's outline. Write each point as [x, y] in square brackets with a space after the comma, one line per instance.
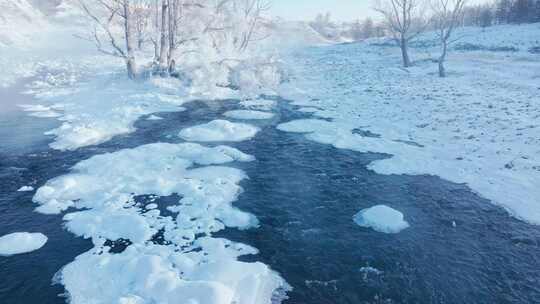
[21, 242]
[26, 189]
[381, 218]
[248, 115]
[219, 130]
[154, 117]
[186, 265]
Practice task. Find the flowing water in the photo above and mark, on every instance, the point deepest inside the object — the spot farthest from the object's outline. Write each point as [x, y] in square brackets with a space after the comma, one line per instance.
[459, 248]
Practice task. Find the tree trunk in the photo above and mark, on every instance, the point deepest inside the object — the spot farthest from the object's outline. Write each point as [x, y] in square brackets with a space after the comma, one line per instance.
[131, 68]
[128, 28]
[405, 52]
[173, 27]
[442, 58]
[163, 48]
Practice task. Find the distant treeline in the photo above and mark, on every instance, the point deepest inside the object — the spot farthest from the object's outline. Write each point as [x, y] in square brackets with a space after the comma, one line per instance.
[502, 12]
[482, 15]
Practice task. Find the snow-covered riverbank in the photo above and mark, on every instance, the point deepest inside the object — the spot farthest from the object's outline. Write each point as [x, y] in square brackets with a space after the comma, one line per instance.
[479, 126]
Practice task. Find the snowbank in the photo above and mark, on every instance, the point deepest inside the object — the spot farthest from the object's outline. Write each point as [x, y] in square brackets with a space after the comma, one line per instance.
[381, 218]
[248, 115]
[219, 130]
[478, 126]
[21, 242]
[188, 265]
[93, 112]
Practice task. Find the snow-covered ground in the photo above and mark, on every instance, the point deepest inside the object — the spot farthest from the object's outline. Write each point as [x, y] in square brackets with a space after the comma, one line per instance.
[479, 126]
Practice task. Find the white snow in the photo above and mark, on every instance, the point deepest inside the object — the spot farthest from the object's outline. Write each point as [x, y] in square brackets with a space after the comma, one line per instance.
[97, 110]
[381, 218]
[219, 130]
[154, 117]
[248, 115]
[26, 189]
[21, 242]
[192, 267]
[478, 126]
[151, 206]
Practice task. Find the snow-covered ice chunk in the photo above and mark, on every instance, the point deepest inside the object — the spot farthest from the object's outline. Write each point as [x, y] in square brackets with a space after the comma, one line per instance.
[154, 117]
[248, 114]
[219, 130]
[151, 206]
[381, 218]
[187, 265]
[149, 169]
[21, 242]
[26, 189]
[159, 274]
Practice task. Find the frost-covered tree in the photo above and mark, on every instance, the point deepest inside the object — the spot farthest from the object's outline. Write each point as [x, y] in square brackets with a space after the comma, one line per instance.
[368, 28]
[203, 42]
[142, 18]
[114, 29]
[403, 19]
[447, 15]
[324, 25]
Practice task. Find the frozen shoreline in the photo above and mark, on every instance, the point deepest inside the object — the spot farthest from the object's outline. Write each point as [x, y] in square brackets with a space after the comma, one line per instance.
[479, 126]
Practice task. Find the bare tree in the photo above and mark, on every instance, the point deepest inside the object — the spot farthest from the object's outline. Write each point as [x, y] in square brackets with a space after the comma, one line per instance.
[108, 15]
[252, 11]
[142, 15]
[404, 20]
[447, 16]
[163, 45]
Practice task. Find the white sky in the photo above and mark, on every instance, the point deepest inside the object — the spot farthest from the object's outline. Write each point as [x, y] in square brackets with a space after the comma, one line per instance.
[341, 10]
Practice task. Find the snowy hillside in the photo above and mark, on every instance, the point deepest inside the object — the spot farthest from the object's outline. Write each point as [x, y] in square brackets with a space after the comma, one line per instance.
[295, 33]
[479, 126]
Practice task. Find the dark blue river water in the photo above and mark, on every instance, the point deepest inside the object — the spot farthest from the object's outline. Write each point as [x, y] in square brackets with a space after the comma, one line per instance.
[305, 195]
